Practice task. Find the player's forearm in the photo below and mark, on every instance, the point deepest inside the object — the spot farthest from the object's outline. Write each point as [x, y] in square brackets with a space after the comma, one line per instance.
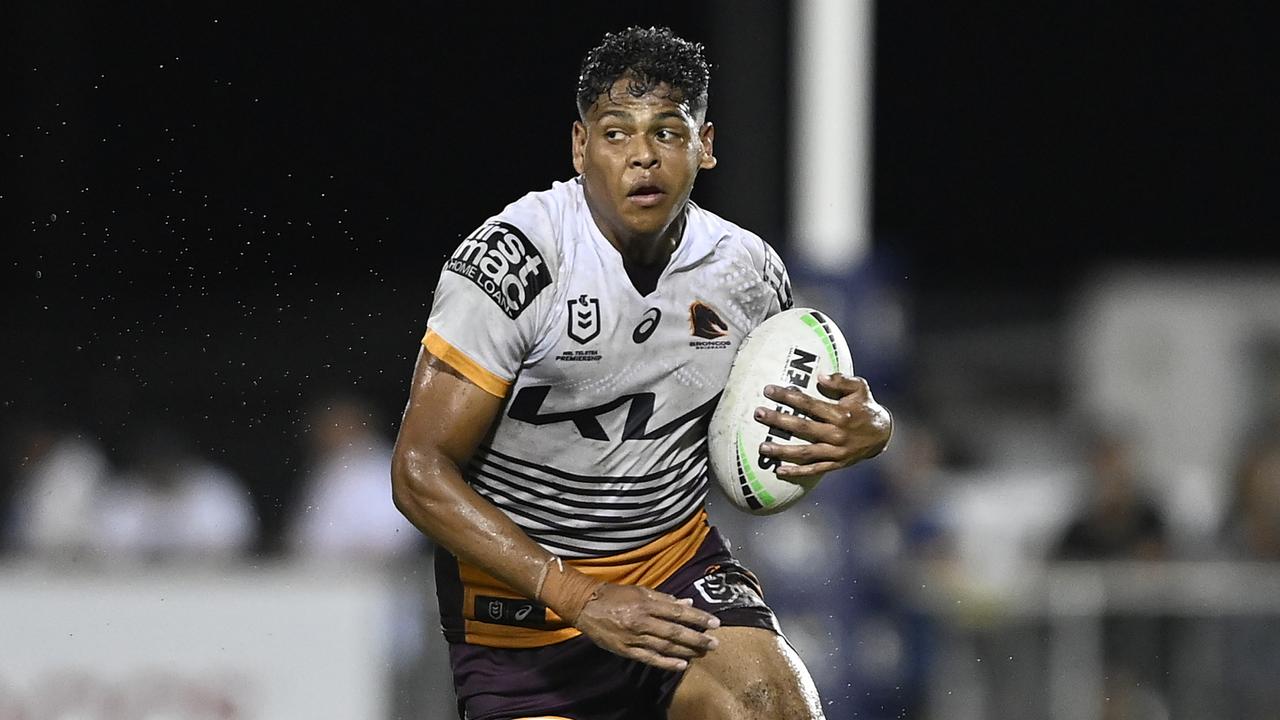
[429, 490]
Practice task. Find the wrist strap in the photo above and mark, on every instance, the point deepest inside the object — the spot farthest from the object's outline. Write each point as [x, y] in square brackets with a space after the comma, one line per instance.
[565, 590]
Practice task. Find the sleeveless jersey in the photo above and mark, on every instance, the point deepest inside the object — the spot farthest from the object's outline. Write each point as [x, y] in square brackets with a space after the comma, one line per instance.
[599, 451]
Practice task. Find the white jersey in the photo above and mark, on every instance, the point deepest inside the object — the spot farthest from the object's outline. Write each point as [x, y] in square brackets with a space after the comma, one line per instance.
[600, 447]
[599, 451]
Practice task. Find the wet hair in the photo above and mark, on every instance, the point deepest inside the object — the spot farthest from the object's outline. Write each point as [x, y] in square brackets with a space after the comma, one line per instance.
[649, 57]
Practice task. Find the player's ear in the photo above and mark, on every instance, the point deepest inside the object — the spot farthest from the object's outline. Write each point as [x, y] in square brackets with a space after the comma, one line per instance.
[707, 159]
[579, 145]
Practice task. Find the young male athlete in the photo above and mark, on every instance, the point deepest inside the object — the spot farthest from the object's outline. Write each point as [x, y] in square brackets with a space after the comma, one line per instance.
[554, 442]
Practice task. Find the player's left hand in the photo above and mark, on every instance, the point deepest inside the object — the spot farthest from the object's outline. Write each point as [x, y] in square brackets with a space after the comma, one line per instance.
[850, 427]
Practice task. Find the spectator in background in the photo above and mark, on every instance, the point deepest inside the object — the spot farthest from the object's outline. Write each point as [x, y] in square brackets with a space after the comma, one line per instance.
[1119, 521]
[922, 554]
[172, 503]
[1251, 530]
[57, 478]
[916, 478]
[345, 508]
[1251, 533]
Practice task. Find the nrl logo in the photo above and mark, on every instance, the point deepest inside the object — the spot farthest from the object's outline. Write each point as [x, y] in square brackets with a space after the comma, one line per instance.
[584, 319]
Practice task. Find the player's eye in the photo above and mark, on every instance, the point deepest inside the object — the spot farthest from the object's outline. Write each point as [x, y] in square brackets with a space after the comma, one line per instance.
[667, 135]
[614, 135]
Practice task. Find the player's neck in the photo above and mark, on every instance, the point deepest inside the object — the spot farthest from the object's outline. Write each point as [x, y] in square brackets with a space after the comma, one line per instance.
[647, 250]
[644, 257]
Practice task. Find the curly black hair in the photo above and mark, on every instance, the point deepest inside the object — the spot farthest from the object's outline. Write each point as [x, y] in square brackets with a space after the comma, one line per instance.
[648, 57]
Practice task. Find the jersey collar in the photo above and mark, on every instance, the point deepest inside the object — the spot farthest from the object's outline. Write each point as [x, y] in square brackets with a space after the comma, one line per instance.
[696, 243]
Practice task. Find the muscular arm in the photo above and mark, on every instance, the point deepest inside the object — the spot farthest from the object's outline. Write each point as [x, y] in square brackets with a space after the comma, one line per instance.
[446, 418]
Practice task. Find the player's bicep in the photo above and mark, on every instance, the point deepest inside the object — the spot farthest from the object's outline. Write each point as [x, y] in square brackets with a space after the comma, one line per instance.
[447, 413]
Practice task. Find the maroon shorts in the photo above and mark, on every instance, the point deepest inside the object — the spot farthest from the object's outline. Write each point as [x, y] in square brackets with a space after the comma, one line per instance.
[579, 680]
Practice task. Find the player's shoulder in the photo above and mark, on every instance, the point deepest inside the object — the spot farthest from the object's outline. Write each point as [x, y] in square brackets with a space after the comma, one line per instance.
[542, 216]
[745, 248]
[537, 218]
[516, 254]
[732, 239]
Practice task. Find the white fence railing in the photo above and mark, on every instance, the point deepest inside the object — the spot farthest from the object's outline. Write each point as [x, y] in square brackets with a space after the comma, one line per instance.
[1207, 633]
[284, 641]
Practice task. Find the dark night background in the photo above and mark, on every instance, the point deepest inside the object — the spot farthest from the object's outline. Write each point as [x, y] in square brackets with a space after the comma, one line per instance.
[214, 215]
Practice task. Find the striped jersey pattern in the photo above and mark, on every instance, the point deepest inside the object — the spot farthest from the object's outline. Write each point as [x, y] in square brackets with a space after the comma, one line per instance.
[579, 515]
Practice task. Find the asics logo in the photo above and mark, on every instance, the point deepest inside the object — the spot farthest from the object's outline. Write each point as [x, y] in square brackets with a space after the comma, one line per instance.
[646, 326]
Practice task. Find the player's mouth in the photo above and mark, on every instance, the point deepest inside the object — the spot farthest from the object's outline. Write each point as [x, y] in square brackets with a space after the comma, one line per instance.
[645, 195]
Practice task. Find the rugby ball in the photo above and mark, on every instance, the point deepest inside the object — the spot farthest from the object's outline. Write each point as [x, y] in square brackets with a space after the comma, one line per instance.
[791, 348]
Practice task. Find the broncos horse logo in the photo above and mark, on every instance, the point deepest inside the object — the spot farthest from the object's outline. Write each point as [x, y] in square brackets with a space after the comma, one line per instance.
[704, 322]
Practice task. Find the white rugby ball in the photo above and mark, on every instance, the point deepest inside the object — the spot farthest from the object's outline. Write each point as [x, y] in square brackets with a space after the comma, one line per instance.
[790, 348]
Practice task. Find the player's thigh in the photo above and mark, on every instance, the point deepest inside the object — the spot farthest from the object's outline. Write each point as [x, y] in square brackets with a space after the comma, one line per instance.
[753, 675]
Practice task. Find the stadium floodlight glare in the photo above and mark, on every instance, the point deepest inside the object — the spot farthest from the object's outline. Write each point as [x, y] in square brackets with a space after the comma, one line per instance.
[831, 121]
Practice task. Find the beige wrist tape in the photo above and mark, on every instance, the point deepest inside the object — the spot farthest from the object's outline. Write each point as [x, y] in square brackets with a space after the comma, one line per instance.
[565, 590]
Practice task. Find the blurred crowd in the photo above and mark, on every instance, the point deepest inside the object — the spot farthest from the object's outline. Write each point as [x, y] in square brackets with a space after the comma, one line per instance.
[843, 572]
[68, 498]
[898, 534]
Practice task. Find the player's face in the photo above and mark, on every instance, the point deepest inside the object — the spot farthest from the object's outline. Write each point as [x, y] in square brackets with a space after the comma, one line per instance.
[638, 157]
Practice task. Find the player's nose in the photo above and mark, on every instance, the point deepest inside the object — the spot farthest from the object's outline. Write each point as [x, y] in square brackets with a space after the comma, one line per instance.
[643, 155]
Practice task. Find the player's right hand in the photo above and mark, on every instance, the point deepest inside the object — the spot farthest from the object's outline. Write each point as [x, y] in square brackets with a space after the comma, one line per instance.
[647, 626]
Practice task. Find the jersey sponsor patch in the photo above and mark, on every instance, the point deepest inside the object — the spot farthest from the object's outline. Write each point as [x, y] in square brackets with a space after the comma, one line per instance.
[502, 262]
[508, 611]
[526, 406]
